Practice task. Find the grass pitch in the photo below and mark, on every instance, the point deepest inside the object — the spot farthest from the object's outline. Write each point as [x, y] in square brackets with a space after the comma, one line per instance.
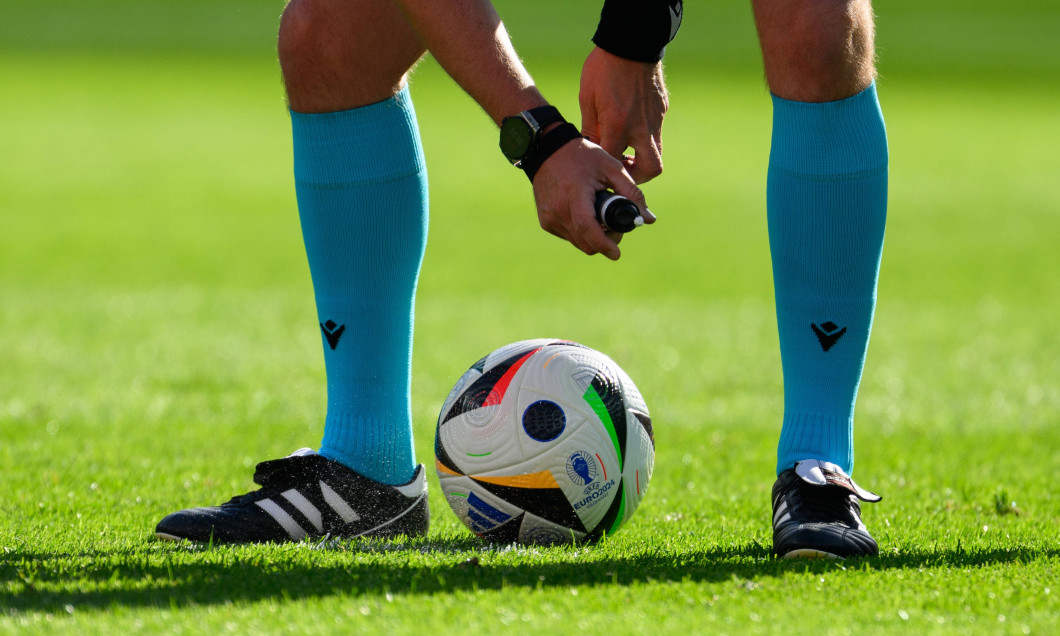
[157, 337]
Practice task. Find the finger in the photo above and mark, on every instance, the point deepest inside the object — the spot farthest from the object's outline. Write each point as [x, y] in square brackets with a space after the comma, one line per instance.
[579, 241]
[554, 232]
[574, 238]
[622, 183]
[586, 227]
[647, 162]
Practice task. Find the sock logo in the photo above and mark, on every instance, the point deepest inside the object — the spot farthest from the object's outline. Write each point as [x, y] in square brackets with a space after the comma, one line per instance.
[828, 334]
[333, 332]
[676, 13]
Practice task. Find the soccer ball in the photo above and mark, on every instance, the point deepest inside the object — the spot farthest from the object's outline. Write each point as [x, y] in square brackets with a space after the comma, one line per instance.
[544, 442]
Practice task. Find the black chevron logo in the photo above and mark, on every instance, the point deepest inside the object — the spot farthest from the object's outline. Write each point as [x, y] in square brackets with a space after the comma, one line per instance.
[332, 332]
[828, 334]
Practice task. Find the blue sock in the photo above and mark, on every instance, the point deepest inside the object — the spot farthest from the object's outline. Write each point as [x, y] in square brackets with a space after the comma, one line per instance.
[827, 206]
[361, 184]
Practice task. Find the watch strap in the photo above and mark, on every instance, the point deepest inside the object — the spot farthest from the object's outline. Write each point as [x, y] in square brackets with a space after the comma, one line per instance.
[545, 115]
[546, 146]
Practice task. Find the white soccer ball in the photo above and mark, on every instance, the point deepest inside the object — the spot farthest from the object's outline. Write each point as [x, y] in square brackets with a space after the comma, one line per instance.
[544, 442]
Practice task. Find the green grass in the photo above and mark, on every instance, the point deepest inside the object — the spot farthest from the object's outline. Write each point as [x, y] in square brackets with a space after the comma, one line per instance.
[157, 337]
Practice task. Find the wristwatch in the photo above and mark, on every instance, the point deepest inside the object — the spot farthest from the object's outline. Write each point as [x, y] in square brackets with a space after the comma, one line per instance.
[520, 133]
[523, 143]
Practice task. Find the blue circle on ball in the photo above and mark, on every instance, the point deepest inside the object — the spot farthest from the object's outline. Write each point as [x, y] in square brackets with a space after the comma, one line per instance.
[544, 421]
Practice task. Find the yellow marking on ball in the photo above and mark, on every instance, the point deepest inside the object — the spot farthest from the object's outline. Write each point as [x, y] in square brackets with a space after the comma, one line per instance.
[551, 359]
[543, 479]
[444, 469]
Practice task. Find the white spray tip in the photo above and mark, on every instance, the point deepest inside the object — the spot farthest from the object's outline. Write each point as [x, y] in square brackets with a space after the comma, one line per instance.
[638, 220]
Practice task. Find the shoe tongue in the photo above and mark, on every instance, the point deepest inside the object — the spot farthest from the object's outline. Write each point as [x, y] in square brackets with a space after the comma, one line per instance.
[820, 473]
[275, 467]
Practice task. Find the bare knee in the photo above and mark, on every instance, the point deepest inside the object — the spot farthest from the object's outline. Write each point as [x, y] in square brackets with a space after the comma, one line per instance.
[339, 54]
[816, 50]
[296, 26]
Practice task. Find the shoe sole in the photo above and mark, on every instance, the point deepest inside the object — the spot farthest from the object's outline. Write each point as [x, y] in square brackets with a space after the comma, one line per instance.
[168, 537]
[808, 553]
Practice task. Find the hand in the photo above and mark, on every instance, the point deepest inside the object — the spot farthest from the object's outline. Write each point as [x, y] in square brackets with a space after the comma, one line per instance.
[565, 187]
[623, 103]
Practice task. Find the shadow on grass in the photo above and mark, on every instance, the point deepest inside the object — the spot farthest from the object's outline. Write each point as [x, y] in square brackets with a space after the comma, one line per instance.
[174, 576]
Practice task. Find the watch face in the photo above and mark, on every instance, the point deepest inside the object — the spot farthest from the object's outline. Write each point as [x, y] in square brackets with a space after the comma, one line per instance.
[516, 137]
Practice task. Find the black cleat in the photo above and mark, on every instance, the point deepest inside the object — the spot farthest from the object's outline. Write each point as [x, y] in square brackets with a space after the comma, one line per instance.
[816, 513]
[305, 496]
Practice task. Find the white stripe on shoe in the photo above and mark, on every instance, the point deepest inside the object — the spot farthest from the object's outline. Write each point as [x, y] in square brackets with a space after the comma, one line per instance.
[779, 514]
[306, 508]
[338, 504]
[288, 523]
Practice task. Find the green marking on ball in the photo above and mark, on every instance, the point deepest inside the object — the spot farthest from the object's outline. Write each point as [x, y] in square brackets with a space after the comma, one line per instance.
[597, 404]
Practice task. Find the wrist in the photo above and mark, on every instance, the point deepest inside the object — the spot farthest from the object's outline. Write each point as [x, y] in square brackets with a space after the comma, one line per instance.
[532, 136]
[551, 141]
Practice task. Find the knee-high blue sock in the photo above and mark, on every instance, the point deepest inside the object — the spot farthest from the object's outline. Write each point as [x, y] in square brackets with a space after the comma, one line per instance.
[827, 205]
[361, 184]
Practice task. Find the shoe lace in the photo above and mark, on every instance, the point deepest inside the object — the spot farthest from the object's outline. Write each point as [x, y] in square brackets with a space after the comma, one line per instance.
[244, 498]
[825, 503]
[273, 475]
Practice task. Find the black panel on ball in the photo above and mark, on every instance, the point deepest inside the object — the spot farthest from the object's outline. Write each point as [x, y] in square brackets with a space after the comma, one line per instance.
[443, 457]
[548, 503]
[505, 533]
[645, 421]
[476, 395]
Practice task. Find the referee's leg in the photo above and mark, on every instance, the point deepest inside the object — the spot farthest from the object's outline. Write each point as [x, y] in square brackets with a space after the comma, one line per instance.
[361, 186]
[826, 201]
